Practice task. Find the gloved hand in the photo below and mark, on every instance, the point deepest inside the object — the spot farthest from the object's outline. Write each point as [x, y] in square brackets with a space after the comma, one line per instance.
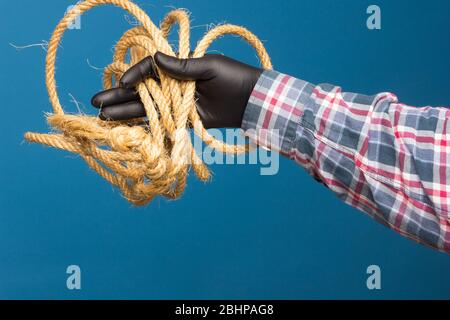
[223, 87]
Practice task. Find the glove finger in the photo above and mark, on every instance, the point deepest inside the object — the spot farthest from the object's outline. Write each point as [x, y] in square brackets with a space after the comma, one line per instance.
[185, 69]
[139, 72]
[113, 97]
[124, 111]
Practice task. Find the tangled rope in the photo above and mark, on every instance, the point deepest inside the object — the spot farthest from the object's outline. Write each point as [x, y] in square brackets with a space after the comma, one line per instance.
[142, 158]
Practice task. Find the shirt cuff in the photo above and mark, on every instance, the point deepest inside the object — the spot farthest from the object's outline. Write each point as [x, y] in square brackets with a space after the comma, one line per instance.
[274, 110]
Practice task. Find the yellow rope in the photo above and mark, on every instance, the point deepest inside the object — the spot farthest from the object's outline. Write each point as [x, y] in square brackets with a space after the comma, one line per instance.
[143, 159]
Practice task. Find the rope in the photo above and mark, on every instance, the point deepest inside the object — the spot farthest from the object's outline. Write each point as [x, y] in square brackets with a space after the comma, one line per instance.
[142, 158]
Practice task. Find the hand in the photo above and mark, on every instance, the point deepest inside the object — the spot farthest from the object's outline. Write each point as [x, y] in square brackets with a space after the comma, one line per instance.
[223, 88]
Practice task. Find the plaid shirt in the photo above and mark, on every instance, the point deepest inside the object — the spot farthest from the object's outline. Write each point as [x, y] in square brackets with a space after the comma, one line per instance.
[387, 159]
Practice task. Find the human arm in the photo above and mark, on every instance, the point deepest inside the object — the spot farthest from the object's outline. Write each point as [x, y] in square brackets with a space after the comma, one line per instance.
[387, 159]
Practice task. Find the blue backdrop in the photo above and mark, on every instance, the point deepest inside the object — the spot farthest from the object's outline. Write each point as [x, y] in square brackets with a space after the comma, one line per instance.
[243, 235]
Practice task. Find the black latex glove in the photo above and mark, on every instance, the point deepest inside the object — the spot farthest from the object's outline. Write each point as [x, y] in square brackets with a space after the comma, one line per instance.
[223, 87]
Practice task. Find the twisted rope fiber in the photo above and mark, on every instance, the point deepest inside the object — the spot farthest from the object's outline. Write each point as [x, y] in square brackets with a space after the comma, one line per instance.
[142, 158]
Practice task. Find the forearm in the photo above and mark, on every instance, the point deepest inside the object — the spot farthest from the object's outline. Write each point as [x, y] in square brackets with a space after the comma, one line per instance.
[384, 158]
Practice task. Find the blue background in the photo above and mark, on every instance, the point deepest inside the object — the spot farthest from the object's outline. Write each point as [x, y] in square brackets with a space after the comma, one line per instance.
[242, 235]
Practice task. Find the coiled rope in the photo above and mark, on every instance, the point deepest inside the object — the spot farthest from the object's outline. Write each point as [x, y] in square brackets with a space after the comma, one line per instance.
[142, 158]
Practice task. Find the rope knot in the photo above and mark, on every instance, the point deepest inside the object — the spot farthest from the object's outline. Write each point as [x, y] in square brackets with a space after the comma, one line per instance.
[126, 138]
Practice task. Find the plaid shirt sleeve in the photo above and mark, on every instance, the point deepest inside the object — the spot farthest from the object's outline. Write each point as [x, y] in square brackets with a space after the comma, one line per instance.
[387, 159]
